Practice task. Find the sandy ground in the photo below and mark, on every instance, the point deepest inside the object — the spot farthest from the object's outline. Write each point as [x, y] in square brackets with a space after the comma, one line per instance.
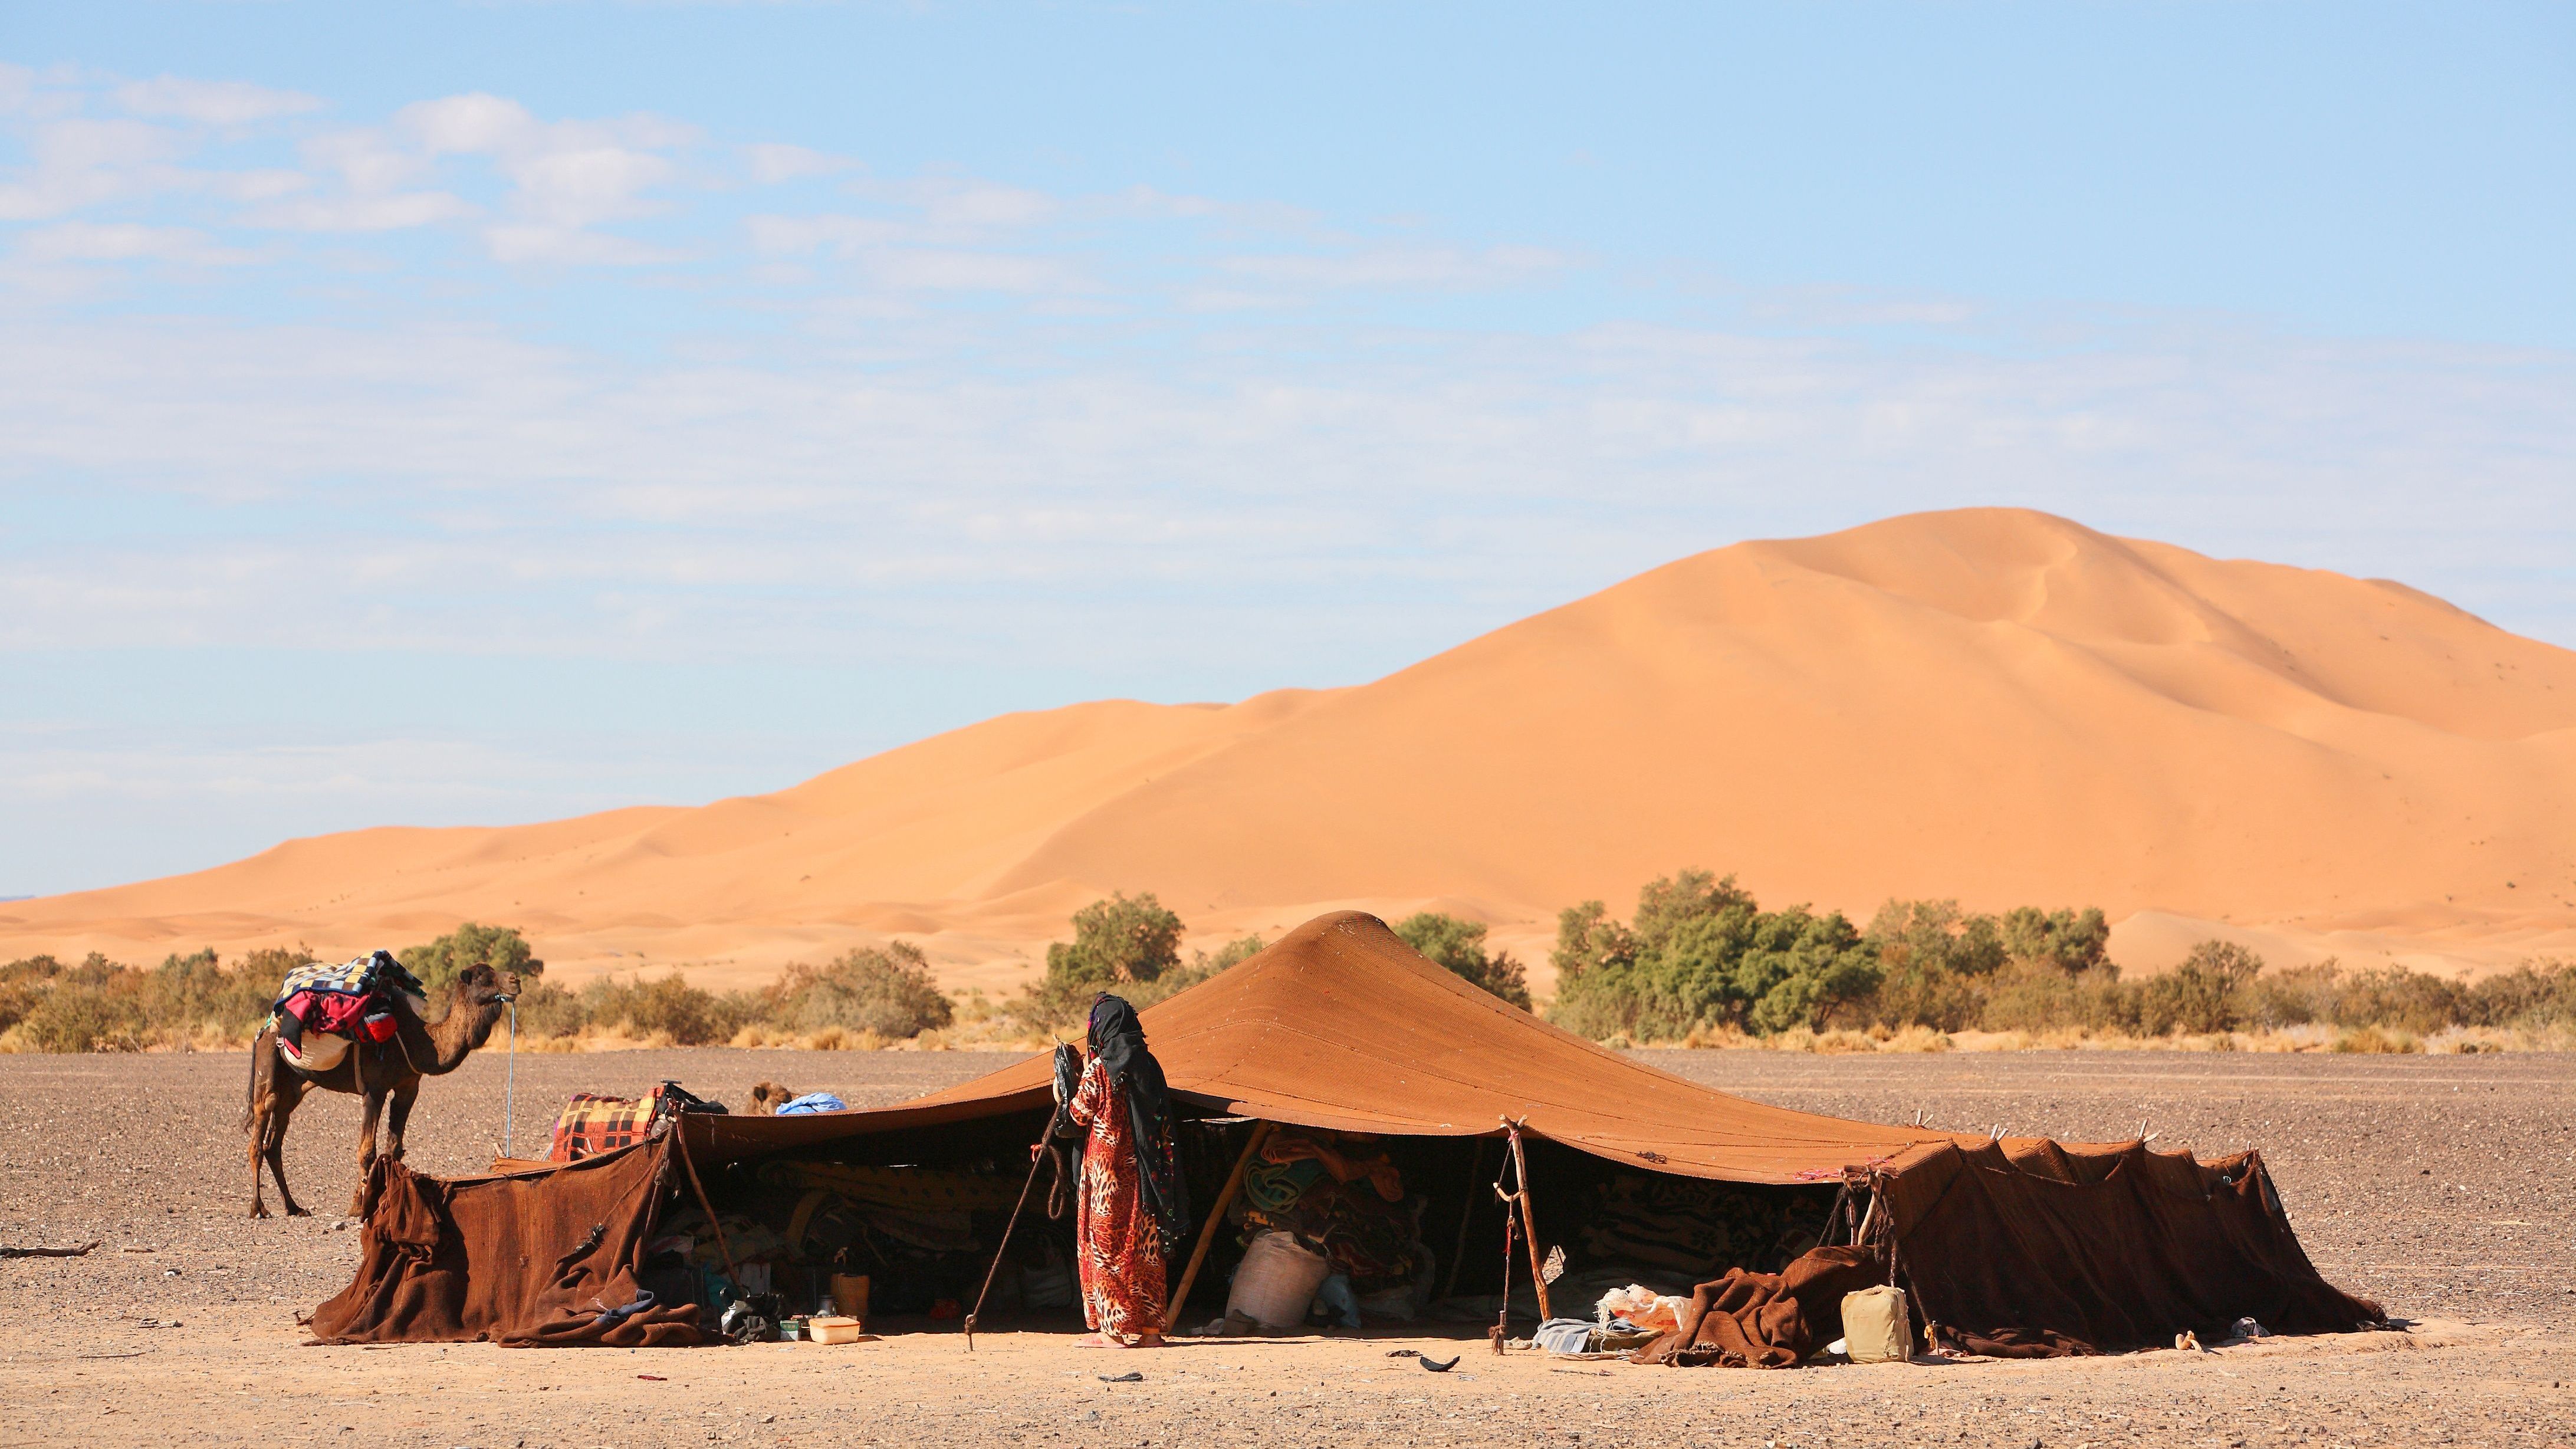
[2436, 1184]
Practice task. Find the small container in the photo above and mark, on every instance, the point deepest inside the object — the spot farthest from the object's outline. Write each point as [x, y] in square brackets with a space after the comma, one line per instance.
[835, 1329]
[850, 1294]
[792, 1330]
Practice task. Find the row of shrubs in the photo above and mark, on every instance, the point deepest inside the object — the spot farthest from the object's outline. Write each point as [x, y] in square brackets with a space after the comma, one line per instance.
[1698, 959]
[1701, 958]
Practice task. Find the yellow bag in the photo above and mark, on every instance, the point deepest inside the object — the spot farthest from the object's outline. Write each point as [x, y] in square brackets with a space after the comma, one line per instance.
[1875, 1326]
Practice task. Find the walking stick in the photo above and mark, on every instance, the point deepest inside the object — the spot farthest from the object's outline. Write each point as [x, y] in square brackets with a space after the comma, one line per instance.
[1216, 1215]
[1037, 1159]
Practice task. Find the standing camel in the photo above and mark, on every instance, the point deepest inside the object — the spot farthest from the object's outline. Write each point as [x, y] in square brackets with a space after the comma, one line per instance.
[377, 1071]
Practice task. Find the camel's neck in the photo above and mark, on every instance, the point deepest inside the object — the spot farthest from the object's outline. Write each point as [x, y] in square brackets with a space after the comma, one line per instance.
[440, 1047]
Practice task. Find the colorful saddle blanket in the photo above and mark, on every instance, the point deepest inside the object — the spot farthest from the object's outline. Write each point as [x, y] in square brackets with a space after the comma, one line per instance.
[592, 1123]
[335, 1003]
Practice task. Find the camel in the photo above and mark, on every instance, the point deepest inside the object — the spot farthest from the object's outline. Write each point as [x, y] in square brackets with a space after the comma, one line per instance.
[767, 1098]
[378, 1071]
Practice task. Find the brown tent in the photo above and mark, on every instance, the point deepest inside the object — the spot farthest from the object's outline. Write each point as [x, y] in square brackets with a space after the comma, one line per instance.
[1340, 1025]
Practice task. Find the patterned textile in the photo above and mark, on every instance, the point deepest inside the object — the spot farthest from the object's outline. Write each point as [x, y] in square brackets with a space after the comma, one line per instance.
[1687, 1225]
[917, 1189]
[1121, 1257]
[591, 1124]
[1362, 1225]
[362, 976]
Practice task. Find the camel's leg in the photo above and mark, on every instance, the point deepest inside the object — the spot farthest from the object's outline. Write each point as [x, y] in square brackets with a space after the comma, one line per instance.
[375, 1110]
[404, 1091]
[283, 1099]
[263, 1072]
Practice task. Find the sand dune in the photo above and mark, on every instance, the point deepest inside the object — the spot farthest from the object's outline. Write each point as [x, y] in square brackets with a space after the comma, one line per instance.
[1993, 705]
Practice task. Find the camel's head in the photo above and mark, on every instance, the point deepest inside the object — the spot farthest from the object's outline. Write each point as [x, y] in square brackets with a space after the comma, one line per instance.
[481, 986]
[767, 1098]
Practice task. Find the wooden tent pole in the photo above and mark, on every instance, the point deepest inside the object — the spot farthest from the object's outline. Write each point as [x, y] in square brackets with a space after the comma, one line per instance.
[1216, 1215]
[1529, 1222]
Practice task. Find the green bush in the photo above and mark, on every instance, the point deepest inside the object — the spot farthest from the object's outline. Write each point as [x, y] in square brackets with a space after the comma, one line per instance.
[1459, 945]
[690, 1015]
[1702, 953]
[1118, 944]
[2203, 994]
[440, 962]
[78, 1017]
[887, 990]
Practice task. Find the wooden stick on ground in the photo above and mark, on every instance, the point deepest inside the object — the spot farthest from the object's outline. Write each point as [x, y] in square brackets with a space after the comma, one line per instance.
[1215, 1217]
[1529, 1222]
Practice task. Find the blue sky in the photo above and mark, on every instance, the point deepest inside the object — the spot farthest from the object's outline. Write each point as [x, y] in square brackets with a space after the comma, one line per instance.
[436, 414]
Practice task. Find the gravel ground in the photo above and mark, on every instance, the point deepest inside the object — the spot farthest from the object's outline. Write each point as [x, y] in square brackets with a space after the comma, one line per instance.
[2429, 1183]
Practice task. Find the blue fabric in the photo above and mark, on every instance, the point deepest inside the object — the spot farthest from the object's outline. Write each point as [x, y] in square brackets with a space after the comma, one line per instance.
[813, 1102]
[1564, 1335]
[1335, 1293]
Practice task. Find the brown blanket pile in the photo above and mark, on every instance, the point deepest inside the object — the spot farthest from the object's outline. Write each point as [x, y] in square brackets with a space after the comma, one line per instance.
[1767, 1320]
[450, 1260]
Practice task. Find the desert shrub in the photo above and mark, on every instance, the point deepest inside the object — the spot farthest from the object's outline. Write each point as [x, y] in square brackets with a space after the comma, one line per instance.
[1118, 944]
[1948, 970]
[548, 1010]
[887, 990]
[1181, 978]
[440, 962]
[1701, 954]
[668, 1006]
[77, 1016]
[1459, 946]
[2534, 994]
[2203, 994]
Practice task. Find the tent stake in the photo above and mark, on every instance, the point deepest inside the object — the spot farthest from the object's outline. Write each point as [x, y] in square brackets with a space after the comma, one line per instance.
[1216, 1215]
[1037, 1159]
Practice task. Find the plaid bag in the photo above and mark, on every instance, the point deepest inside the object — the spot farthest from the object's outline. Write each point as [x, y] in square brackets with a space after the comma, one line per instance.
[591, 1123]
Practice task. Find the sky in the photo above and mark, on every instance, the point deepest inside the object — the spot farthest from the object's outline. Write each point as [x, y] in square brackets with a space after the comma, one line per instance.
[436, 414]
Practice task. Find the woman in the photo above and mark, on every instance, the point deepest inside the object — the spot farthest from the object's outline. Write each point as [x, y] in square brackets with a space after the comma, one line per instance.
[1132, 1201]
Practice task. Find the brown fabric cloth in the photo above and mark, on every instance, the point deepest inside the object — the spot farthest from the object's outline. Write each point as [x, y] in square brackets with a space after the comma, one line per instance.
[521, 1260]
[2028, 1247]
[1767, 1320]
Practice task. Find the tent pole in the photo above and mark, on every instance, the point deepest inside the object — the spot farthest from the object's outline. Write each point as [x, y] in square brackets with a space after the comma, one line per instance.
[1503, 1320]
[1529, 1224]
[1216, 1215]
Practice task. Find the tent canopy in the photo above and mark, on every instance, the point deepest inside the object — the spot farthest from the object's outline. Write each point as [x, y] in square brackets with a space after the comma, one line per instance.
[1341, 1025]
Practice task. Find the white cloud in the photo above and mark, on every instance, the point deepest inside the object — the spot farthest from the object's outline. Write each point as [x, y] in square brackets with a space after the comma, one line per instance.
[482, 123]
[1440, 267]
[362, 213]
[80, 241]
[81, 162]
[213, 103]
[773, 162]
[524, 243]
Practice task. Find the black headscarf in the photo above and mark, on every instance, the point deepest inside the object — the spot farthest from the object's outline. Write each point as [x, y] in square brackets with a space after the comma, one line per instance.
[1118, 1040]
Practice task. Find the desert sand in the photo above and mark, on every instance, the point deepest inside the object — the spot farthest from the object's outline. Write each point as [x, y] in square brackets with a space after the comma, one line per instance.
[1994, 705]
[2431, 1183]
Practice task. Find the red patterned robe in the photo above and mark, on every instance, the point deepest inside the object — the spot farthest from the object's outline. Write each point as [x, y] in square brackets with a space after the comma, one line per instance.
[1121, 1255]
